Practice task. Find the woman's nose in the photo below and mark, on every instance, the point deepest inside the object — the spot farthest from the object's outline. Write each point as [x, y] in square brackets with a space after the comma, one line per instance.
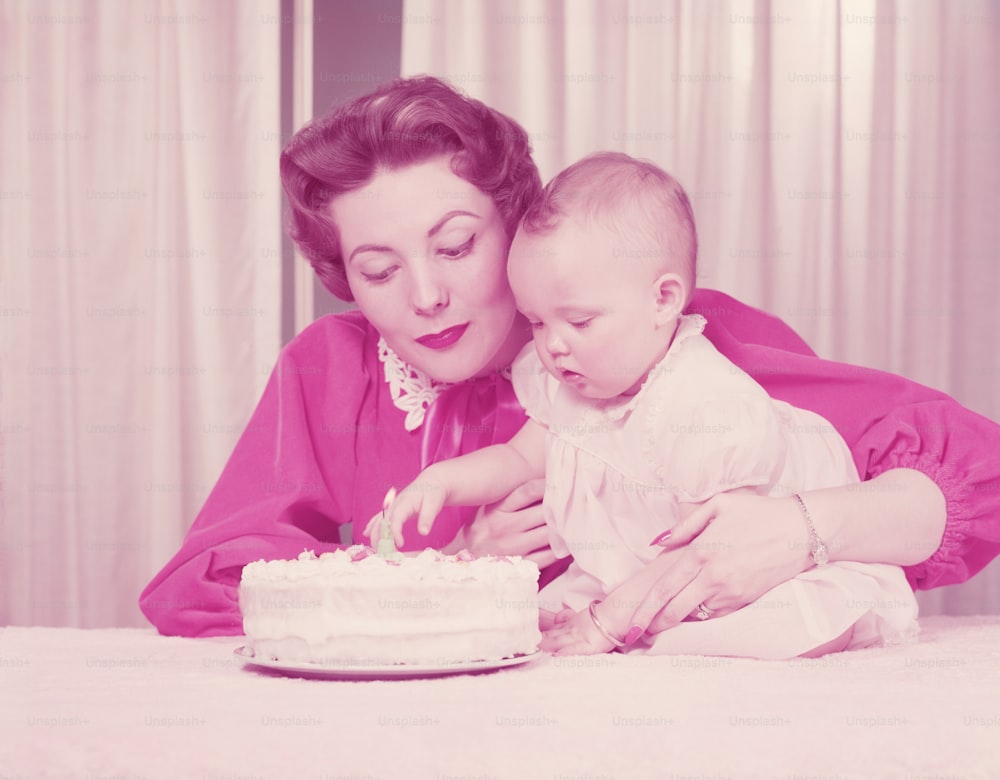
[428, 294]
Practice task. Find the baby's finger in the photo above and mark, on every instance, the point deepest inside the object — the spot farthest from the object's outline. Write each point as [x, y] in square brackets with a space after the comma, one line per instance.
[425, 519]
[430, 507]
[374, 528]
[577, 647]
[395, 516]
[555, 639]
[398, 512]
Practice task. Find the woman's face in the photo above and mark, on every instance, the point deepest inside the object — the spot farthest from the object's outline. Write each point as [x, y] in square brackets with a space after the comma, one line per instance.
[425, 254]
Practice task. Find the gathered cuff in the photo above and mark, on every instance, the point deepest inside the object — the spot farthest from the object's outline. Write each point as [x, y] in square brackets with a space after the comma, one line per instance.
[947, 566]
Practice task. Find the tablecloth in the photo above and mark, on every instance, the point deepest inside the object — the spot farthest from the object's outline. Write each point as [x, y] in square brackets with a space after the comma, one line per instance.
[129, 704]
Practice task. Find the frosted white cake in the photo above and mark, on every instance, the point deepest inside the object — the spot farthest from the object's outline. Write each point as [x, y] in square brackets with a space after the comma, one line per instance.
[351, 607]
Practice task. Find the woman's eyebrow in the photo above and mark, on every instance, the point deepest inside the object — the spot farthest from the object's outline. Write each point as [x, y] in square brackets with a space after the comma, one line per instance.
[441, 222]
[435, 229]
[368, 248]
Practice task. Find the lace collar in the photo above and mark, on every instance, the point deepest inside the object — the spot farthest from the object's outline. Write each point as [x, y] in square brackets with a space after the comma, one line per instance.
[688, 325]
[411, 389]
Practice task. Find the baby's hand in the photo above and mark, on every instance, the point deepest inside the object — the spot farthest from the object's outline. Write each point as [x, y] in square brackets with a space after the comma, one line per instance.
[422, 497]
[574, 633]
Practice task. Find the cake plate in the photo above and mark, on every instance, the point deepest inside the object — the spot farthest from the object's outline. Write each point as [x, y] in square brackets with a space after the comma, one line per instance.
[376, 671]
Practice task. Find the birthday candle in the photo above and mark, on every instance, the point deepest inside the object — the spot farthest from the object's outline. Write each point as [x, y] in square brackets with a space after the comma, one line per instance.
[386, 546]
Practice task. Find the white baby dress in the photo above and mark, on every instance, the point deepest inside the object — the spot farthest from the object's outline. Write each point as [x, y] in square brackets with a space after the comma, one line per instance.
[617, 469]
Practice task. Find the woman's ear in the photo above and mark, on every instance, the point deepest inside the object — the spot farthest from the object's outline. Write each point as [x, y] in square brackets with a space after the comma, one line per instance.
[670, 294]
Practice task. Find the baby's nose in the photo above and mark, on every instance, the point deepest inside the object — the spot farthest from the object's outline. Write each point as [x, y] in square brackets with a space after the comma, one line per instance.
[555, 345]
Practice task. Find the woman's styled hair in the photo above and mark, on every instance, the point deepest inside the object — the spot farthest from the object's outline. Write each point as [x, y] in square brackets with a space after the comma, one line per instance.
[643, 204]
[401, 123]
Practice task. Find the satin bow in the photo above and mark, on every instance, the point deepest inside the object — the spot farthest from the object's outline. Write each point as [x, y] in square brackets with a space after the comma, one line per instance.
[469, 416]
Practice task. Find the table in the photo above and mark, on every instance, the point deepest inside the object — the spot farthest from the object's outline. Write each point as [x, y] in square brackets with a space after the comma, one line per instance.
[128, 703]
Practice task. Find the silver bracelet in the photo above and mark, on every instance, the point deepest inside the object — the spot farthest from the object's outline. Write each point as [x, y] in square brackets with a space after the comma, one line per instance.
[600, 627]
[817, 549]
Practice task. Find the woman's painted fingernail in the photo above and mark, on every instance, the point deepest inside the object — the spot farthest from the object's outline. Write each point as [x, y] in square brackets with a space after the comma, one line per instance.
[662, 537]
[633, 634]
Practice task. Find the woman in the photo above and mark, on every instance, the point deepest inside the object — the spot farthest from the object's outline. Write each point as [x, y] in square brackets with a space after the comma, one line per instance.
[405, 201]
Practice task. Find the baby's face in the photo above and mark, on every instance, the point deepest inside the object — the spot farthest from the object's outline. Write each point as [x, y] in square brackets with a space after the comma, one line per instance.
[592, 307]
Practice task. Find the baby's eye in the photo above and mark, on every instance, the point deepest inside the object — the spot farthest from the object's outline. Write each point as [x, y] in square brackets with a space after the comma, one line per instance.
[580, 324]
[461, 250]
[535, 325]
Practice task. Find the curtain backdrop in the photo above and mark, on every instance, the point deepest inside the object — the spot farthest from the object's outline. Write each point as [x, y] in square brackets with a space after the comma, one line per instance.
[842, 157]
[139, 284]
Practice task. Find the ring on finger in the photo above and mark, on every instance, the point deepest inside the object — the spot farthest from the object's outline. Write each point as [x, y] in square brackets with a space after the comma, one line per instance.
[703, 612]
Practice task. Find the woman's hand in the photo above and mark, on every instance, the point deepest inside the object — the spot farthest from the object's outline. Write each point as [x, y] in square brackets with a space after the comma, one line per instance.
[513, 526]
[723, 554]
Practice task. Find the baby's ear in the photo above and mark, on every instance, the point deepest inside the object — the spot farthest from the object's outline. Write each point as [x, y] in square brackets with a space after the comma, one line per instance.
[670, 293]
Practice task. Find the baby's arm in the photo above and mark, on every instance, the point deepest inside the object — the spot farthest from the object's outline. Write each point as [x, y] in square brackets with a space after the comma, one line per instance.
[480, 477]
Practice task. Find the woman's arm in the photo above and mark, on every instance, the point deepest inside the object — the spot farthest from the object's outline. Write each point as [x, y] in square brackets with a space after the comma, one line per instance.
[905, 505]
[286, 487]
[732, 549]
[889, 423]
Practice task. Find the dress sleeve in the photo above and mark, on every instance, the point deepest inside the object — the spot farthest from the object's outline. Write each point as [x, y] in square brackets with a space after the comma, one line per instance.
[719, 444]
[888, 422]
[956, 448]
[274, 498]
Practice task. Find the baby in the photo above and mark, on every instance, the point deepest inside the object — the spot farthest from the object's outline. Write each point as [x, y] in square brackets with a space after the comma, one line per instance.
[634, 414]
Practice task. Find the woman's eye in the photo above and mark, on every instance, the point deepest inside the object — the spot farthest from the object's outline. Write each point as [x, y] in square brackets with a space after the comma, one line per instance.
[580, 324]
[536, 325]
[461, 250]
[381, 276]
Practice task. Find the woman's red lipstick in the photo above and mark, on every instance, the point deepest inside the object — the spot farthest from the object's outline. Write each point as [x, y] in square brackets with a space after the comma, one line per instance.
[444, 338]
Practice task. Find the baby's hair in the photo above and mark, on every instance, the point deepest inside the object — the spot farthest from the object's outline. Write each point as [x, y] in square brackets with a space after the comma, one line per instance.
[404, 122]
[643, 204]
